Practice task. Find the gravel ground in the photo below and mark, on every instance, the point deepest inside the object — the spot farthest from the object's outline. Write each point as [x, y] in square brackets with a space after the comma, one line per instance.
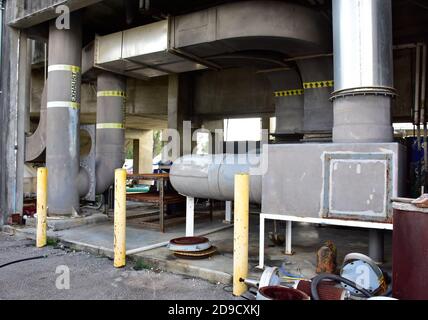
[91, 277]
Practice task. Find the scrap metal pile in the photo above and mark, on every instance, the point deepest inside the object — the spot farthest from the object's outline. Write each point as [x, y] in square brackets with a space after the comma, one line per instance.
[359, 278]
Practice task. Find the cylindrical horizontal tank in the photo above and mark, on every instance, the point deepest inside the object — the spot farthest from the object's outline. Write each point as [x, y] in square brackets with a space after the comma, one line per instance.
[212, 176]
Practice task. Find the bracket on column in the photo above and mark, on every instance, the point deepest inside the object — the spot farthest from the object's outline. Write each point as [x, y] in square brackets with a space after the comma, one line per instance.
[228, 213]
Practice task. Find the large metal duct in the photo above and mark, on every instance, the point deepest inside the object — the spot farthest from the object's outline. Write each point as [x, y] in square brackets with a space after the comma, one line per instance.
[318, 111]
[363, 71]
[36, 143]
[248, 26]
[212, 176]
[228, 35]
[63, 109]
[288, 89]
[110, 138]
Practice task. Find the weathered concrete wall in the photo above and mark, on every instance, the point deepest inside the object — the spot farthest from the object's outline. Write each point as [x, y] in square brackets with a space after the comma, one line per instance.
[145, 151]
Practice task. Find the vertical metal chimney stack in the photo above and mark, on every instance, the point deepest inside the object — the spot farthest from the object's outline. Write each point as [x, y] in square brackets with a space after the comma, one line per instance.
[63, 109]
[363, 75]
[363, 71]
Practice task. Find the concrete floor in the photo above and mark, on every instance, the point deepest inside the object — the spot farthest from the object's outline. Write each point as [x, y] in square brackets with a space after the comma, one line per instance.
[218, 268]
[307, 239]
[91, 277]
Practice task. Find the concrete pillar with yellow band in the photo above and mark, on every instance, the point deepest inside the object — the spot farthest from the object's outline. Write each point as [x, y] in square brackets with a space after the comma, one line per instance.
[110, 137]
[240, 234]
[63, 113]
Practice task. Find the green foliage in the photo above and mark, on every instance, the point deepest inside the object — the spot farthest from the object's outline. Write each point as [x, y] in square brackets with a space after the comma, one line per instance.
[141, 265]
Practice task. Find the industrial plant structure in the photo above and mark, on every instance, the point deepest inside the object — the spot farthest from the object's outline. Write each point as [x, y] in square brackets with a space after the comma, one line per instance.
[335, 74]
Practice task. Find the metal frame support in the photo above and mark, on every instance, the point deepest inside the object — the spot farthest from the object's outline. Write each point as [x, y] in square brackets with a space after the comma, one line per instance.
[288, 237]
[228, 212]
[190, 216]
[376, 245]
[290, 219]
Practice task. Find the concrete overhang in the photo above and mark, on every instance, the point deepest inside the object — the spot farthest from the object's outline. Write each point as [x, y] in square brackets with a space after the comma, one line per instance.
[42, 11]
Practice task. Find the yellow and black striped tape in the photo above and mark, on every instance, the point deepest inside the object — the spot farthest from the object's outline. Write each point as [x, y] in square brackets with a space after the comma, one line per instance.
[111, 94]
[289, 93]
[318, 84]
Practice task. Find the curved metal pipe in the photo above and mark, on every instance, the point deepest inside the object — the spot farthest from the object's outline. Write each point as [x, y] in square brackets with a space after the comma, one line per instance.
[212, 176]
[36, 143]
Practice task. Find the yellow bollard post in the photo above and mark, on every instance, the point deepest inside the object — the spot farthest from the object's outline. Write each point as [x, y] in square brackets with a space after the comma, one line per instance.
[240, 234]
[120, 218]
[42, 199]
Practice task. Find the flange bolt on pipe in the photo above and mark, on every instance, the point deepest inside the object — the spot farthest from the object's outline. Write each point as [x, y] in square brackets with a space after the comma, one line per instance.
[240, 234]
[42, 200]
[120, 218]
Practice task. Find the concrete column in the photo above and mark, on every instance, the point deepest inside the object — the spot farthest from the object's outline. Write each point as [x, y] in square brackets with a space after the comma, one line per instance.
[63, 111]
[143, 149]
[265, 123]
[23, 99]
[179, 104]
[11, 127]
[136, 156]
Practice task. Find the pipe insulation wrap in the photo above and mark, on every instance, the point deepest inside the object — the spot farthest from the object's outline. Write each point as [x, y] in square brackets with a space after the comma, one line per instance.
[212, 176]
[63, 113]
